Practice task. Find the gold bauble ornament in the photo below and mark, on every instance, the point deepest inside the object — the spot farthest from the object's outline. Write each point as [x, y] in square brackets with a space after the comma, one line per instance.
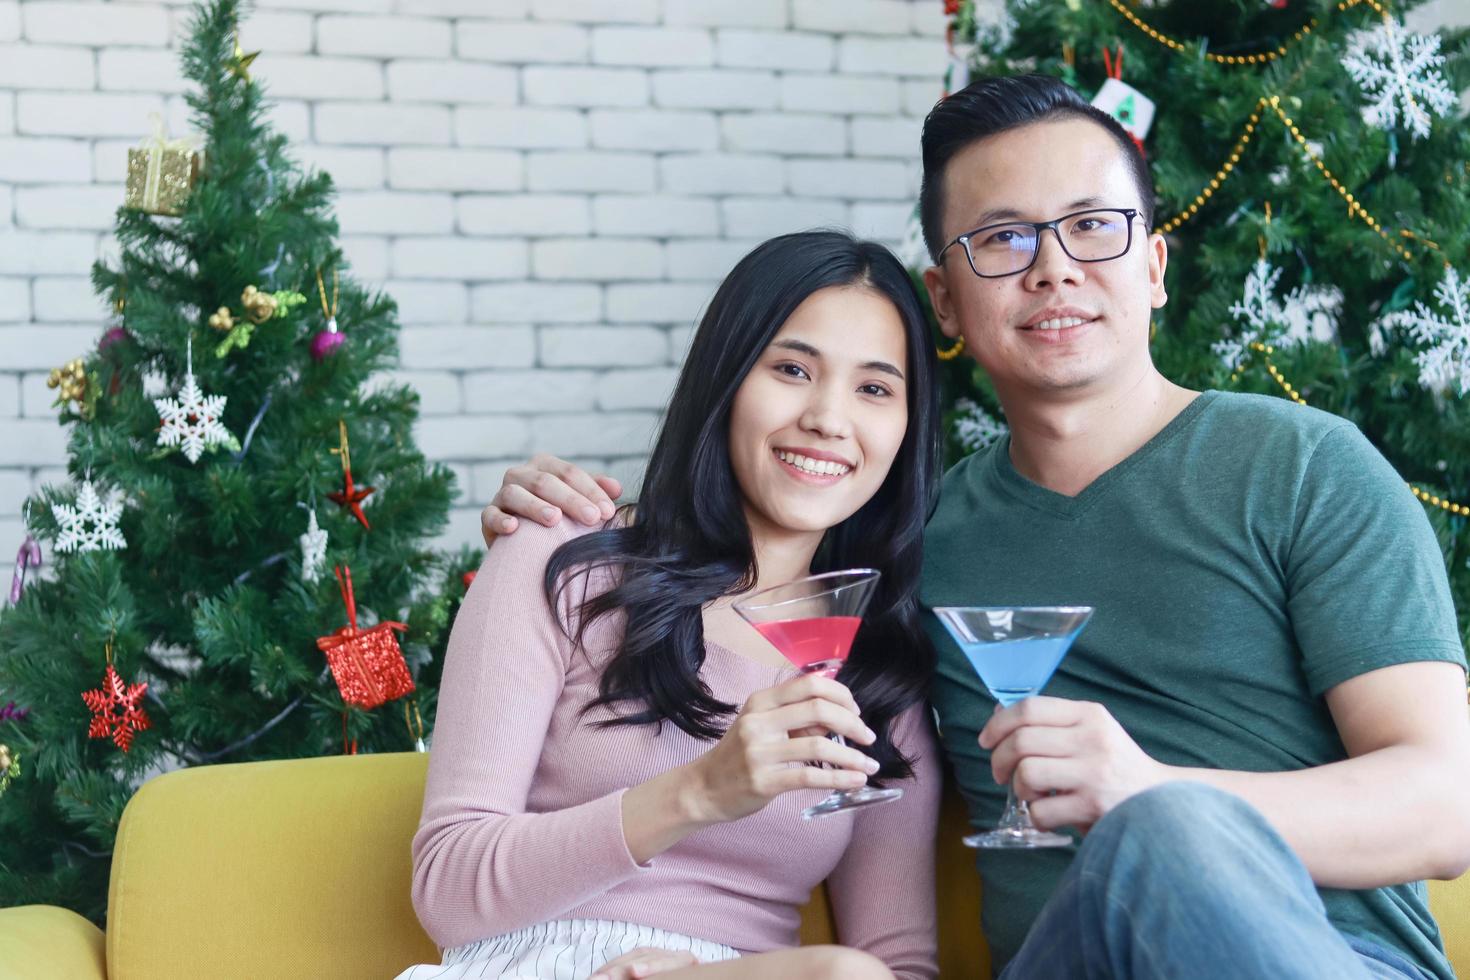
[221, 319]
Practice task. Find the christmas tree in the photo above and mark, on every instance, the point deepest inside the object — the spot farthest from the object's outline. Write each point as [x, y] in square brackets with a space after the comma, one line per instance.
[1312, 167]
[241, 568]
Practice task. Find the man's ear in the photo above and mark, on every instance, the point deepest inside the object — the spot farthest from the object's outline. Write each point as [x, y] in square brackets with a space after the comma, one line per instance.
[1158, 261]
[943, 303]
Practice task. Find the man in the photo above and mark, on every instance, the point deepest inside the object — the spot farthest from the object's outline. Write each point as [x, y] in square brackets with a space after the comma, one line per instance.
[1262, 733]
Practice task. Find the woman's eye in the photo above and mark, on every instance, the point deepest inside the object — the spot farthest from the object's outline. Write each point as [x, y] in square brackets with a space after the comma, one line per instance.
[875, 389]
[792, 370]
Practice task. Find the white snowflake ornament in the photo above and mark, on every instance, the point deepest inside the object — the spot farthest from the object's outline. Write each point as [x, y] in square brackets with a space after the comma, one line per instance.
[92, 524]
[1445, 361]
[313, 550]
[976, 428]
[1308, 313]
[1398, 72]
[192, 422]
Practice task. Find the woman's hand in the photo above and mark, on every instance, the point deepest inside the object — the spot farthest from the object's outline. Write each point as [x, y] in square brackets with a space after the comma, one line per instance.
[762, 755]
[644, 961]
[764, 751]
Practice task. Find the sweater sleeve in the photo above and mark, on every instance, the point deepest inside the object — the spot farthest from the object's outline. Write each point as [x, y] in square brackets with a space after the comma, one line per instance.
[482, 865]
[882, 891]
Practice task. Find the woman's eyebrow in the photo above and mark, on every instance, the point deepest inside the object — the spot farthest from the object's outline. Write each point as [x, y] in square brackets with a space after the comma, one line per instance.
[801, 347]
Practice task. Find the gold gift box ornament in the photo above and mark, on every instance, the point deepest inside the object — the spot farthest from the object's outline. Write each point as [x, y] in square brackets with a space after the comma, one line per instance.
[162, 172]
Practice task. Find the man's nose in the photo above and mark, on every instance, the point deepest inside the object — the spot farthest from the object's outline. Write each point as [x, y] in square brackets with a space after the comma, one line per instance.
[1053, 265]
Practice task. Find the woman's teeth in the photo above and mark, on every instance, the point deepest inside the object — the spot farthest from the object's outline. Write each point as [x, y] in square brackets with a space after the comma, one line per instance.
[817, 467]
[1060, 323]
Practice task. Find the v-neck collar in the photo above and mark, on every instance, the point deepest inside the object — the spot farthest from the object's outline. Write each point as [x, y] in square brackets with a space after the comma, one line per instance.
[1024, 491]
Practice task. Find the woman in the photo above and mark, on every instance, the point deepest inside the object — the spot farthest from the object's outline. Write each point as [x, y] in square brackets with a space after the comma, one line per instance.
[619, 762]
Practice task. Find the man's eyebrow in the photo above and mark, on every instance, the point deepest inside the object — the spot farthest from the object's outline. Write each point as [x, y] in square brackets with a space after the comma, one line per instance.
[1008, 214]
[801, 347]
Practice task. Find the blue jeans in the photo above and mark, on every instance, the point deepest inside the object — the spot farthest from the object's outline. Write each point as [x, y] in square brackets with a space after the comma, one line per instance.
[1187, 881]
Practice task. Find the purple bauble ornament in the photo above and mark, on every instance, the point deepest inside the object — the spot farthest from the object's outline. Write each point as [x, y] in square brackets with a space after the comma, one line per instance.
[115, 335]
[325, 344]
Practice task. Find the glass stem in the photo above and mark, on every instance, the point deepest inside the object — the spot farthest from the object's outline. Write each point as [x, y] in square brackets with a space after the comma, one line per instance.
[1017, 816]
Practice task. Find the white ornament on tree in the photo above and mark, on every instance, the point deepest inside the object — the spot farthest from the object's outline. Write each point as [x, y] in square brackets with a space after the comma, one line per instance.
[974, 427]
[313, 549]
[1445, 363]
[101, 514]
[1398, 71]
[193, 421]
[1308, 313]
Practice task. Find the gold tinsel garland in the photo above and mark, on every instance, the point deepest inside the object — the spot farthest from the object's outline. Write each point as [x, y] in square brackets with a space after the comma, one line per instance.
[1260, 58]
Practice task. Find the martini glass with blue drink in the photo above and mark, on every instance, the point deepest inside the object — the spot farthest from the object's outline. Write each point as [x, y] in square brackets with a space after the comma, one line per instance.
[1015, 650]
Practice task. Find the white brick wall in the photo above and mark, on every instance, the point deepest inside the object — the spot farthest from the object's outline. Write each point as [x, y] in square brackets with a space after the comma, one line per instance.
[550, 189]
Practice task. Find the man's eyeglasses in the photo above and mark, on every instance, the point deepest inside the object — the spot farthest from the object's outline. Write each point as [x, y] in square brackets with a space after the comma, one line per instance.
[1011, 247]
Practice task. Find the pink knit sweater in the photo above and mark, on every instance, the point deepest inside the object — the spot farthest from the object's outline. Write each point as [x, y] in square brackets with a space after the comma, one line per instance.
[522, 819]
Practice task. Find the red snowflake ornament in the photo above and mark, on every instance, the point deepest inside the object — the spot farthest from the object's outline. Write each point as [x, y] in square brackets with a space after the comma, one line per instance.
[115, 710]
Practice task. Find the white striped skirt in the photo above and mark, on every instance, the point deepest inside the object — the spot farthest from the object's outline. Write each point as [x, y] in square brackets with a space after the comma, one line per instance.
[567, 949]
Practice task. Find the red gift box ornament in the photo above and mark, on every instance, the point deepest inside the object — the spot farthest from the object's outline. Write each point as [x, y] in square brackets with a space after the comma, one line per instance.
[367, 664]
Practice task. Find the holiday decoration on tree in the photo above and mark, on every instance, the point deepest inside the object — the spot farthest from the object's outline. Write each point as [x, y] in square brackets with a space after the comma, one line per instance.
[207, 599]
[1444, 360]
[91, 525]
[192, 421]
[116, 713]
[351, 496]
[1312, 189]
[13, 712]
[313, 549]
[10, 768]
[28, 557]
[259, 307]
[71, 379]
[1308, 313]
[1399, 72]
[1133, 110]
[325, 343]
[162, 172]
[367, 663]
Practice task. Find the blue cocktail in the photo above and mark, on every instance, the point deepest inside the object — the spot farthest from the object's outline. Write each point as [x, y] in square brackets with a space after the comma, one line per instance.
[1015, 650]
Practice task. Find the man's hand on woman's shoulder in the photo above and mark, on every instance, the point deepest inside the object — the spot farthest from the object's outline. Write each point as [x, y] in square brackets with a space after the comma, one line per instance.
[543, 490]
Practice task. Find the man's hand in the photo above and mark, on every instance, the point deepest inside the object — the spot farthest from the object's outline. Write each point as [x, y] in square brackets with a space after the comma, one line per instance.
[1070, 760]
[645, 961]
[543, 490]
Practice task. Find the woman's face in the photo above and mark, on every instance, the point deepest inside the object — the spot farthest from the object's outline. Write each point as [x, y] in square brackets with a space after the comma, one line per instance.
[819, 419]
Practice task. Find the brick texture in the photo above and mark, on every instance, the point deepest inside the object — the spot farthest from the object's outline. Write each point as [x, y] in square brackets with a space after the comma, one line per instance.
[550, 189]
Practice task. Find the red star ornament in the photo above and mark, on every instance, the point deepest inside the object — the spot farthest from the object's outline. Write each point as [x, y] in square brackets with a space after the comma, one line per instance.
[351, 497]
[115, 710]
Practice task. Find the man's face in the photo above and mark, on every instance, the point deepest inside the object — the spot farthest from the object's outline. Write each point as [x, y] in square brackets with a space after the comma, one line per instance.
[1040, 172]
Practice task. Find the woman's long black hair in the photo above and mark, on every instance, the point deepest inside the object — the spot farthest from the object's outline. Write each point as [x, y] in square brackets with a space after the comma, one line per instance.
[689, 542]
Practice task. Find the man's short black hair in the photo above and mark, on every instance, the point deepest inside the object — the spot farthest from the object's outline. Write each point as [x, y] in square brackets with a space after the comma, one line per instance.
[988, 106]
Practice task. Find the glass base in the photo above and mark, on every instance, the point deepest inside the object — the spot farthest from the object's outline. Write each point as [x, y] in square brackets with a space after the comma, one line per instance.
[1024, 838]
[850, 800]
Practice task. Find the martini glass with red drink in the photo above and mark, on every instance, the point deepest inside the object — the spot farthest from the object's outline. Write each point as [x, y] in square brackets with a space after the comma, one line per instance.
[812, 621]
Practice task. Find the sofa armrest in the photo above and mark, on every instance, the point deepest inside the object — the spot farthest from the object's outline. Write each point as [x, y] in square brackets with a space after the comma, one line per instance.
[44, 942]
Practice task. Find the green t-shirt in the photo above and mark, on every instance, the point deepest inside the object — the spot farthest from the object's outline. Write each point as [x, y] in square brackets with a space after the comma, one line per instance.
[1244, 561]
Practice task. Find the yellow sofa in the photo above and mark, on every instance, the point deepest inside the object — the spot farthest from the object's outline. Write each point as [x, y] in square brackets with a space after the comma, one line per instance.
[301, 869]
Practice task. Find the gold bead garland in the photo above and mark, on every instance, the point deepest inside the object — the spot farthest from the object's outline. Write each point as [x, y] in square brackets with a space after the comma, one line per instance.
[1260, 58]
[1273, 102]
